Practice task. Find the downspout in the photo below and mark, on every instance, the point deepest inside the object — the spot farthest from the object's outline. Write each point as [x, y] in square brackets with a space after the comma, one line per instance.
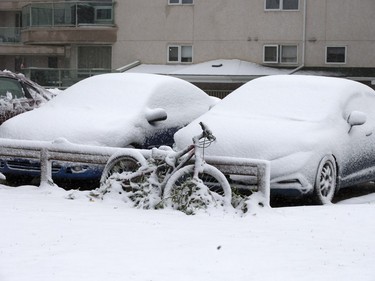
[303, 41]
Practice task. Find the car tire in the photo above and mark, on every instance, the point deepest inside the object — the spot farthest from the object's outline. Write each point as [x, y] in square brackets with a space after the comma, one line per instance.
[326, 180]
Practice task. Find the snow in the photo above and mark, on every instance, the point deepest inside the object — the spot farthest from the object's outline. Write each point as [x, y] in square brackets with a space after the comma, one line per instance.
[216, 67]
[48, 233]
[54, 234]
[55, 91]
[221, 67]
[288, 109]
[115, 105]
[292, 121]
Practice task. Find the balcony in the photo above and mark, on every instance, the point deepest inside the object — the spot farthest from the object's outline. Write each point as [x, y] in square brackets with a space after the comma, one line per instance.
[9, 35]
[68, 22]
[10, 44]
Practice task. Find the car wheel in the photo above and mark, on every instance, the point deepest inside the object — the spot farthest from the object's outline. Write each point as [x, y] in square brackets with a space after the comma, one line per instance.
[326, 179]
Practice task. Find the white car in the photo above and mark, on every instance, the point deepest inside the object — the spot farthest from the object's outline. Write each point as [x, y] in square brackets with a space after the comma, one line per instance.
[317, 132]
[116, 110]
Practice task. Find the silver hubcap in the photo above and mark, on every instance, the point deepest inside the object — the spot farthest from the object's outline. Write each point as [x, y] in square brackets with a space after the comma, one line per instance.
[327, 179]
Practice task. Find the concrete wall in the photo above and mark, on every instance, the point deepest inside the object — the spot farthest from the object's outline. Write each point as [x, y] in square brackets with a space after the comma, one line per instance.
[215, 28]
[341, 23]
[231, 29]
[240, 28]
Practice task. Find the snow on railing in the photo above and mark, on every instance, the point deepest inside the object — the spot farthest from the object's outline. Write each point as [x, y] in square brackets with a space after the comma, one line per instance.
[59, 150]
[245, 173]
[241, 171]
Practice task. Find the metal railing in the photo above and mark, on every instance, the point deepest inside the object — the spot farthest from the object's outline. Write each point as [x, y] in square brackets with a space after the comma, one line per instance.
[61, 77]
[218, 93]
[73, 13]
[256, 171]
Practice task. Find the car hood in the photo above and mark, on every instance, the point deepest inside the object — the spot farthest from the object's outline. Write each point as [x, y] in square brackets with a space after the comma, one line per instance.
[92, 127]
[258, 137]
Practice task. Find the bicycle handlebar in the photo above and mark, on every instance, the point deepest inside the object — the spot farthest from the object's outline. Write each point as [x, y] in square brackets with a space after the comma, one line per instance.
[206, 132]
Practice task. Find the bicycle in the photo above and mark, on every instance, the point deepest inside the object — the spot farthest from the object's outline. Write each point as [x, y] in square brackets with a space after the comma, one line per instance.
[174, 178]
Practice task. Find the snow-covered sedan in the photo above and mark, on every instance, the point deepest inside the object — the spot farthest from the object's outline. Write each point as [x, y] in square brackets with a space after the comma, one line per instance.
[317, 132]
[115, 110]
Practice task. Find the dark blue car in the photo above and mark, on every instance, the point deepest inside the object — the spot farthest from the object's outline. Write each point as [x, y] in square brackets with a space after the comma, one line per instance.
[112, 110]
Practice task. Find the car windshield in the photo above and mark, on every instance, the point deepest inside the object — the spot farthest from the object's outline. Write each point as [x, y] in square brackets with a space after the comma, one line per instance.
[8, 85]
[285, 101]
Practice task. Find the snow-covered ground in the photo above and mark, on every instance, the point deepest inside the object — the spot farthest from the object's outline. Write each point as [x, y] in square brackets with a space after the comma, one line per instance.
[53, 234]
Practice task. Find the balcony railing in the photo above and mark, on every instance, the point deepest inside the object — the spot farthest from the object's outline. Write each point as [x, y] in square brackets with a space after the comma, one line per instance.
[61, 77]
[9, 35]
[74, 13]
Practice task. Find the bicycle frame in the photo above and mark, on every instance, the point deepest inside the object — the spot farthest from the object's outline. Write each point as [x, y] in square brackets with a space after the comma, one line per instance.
[175, 160]
[182, 158]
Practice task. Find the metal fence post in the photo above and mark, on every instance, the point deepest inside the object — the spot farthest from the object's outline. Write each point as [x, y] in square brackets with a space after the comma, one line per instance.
[264, 174]
[45, 168]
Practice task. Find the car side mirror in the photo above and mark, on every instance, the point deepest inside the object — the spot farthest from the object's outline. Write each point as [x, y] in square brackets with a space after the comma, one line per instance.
[156, 115]
[356, 118]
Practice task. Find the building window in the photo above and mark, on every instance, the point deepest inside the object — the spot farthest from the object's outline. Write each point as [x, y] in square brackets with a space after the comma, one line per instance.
[178, 53]
[281, 4]
[286, 54]
[180, 2]
[271, 54]
[336, 55]
[52, 62]
[90, 57]
[103, 13]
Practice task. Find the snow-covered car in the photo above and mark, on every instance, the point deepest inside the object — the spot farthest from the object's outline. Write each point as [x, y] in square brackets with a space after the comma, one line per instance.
[317, 132]
[114, 110]
[18, 94]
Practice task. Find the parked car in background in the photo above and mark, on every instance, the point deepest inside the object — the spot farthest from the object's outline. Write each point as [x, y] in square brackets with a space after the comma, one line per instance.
[114, 110]
[317, 132]
[19, 94]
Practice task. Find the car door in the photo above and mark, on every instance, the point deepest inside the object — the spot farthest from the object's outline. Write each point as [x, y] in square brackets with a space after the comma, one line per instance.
[359, 150]
[162, 136]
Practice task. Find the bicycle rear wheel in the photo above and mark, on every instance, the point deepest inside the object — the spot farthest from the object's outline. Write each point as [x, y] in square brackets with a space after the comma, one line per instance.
[183, 190]
[125, 177]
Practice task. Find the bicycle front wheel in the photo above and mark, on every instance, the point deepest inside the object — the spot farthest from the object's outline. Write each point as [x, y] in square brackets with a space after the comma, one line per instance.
[122, 162]
[180, 188]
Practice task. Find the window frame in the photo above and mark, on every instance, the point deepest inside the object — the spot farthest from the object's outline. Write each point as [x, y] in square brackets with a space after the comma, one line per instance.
[81, 62]
[98, 9]
[179, 53]
[281, 6]
[277, 53]
[271, 9]
[180, 2]
[336, 46]
[279, 56]
[281, 52]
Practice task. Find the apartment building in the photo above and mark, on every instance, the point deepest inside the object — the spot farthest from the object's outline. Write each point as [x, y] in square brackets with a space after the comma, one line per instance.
[337, 36]
[57, 42]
